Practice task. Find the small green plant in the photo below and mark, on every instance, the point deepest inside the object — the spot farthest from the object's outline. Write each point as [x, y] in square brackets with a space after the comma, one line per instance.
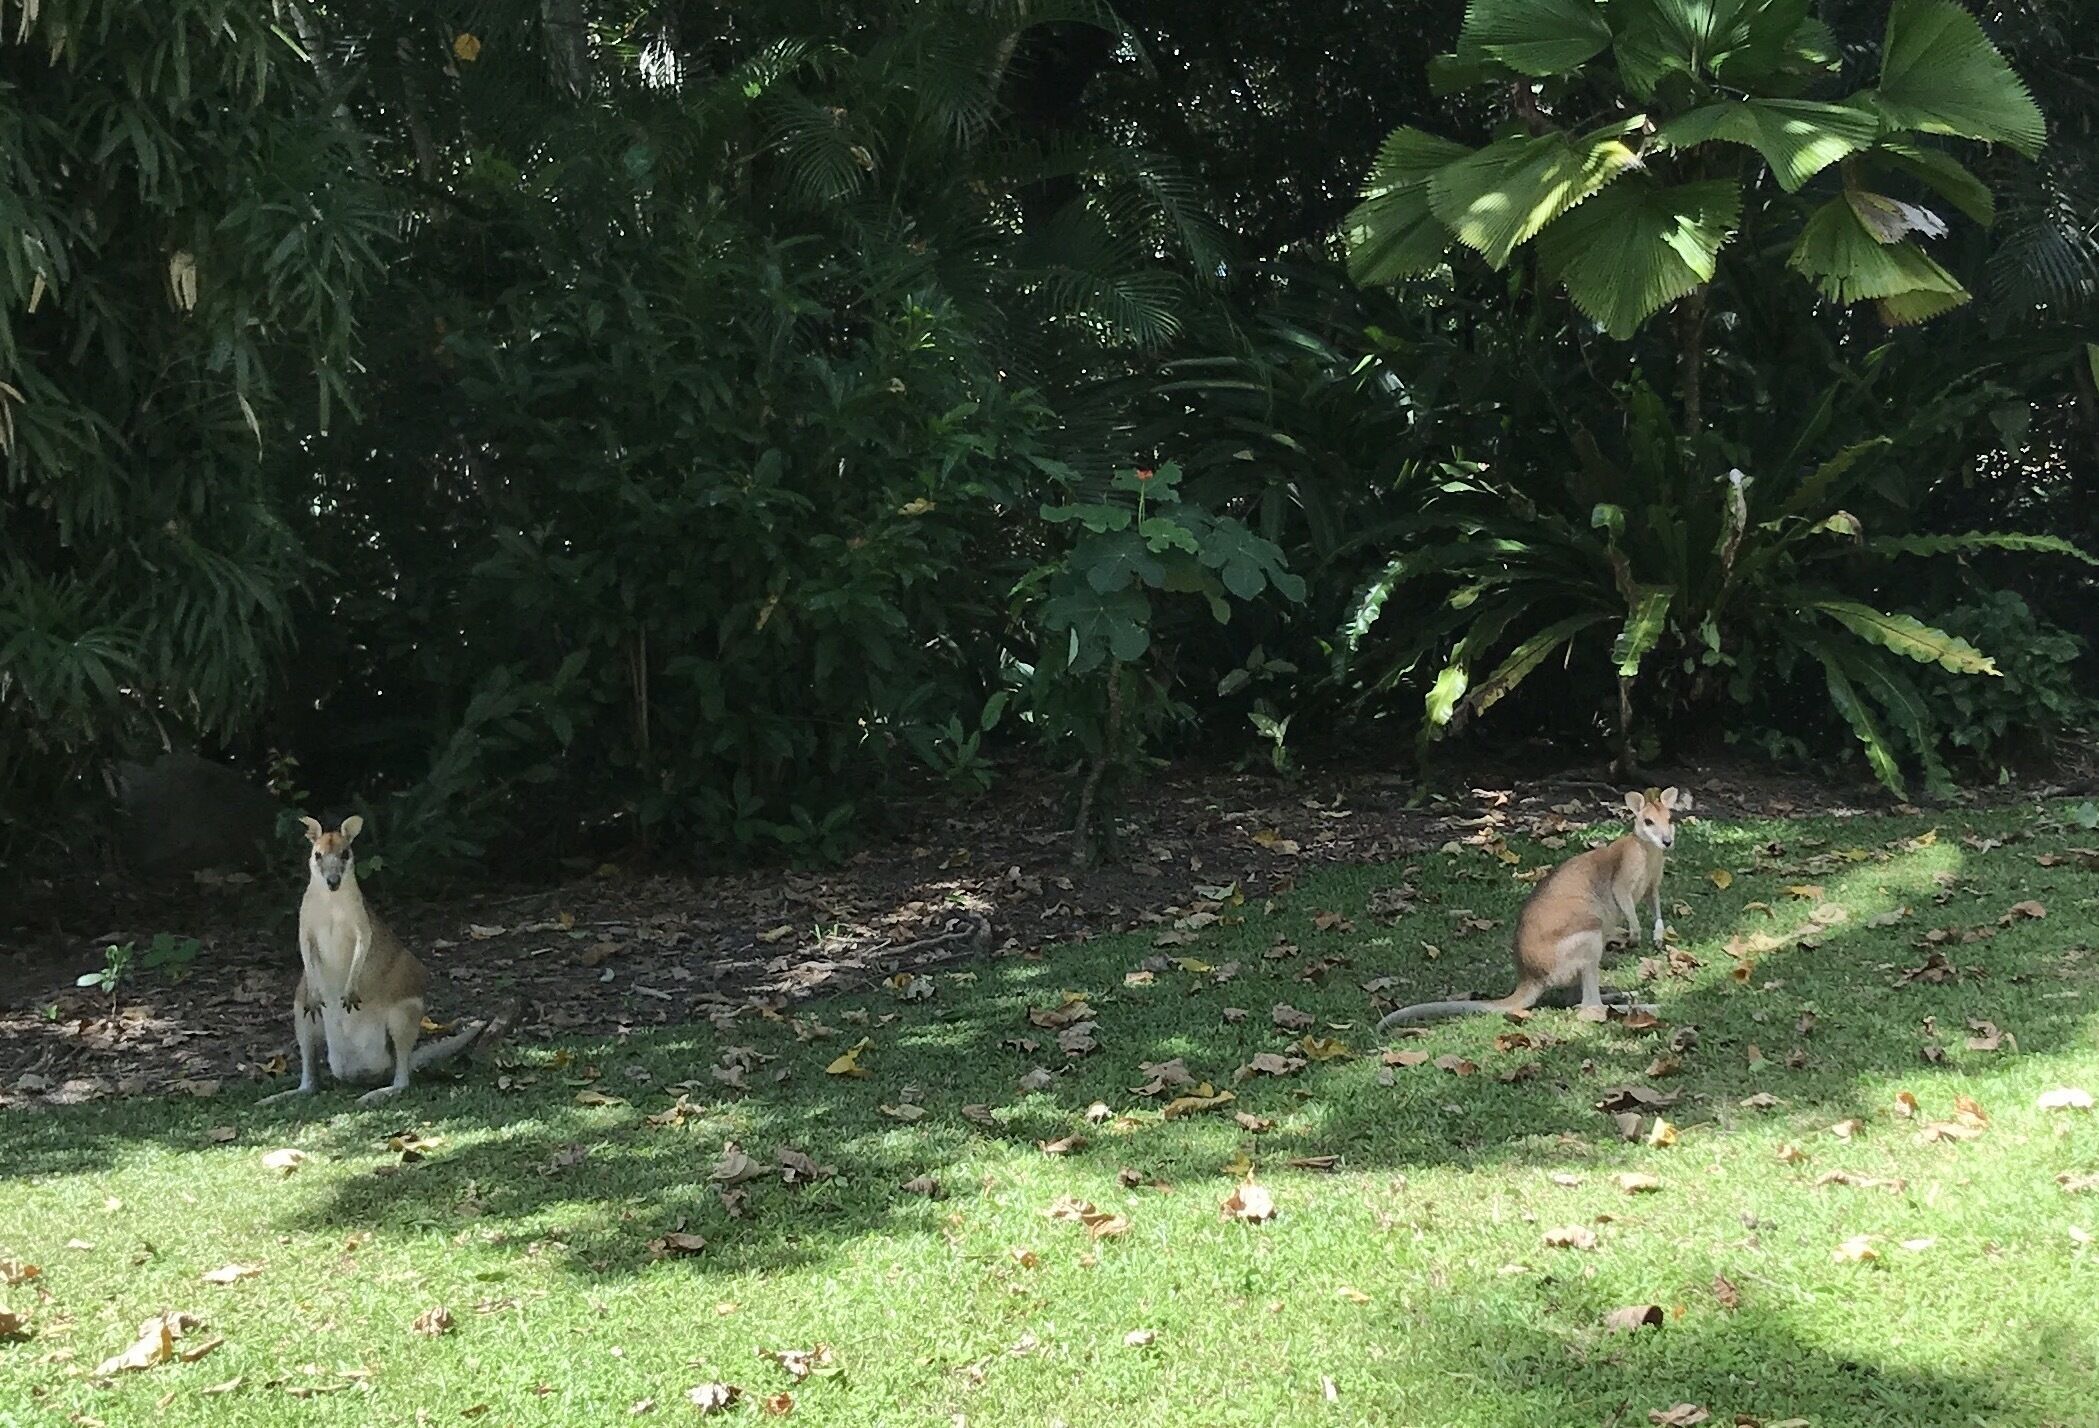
[2036, 701]
[121, 959]
[1107, 600]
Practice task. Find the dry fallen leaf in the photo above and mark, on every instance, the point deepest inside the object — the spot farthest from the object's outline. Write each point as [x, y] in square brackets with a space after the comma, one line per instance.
[1725, 1292]
[13, 1325]
[1947, 1130]
[1456, 1065]
[713, 1397]
[1202, 1099]
[1661, 1133]
[1682, 1415]
[1846, 1129]
[1289, 1018]
[797, 1168]
[848, 1062]
[15, 1271]
[675, 1242]
[1249, 1202]
[1398, 1057]
[438, 1320]
[1063, 1145]
[924, 1185]
[1253, 1124]
[1352, 1294]
[284, 1162]
[801, 1363]
[779, 1405]
[2065, 1098]
[1637, 1182]
[1905, 1104]
[1856, 1250]
[1722, 878]
[1037, 1079]
[735, 1167]
[1571, 1237]
[1860, 1182]
[1139, 1338]
[156, 1344]
[909, 1112]
[231, 1273]
[1634, 1317]
[1791, 1154]
[2022, 909]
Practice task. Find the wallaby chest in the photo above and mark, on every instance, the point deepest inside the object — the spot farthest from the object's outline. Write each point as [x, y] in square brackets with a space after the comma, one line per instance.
[330, 928]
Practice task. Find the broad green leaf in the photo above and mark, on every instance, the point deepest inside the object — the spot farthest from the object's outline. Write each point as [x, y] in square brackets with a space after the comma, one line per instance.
[1845, 696]
[1657, 38]
[1942, 174]
[1100, 625]
[1906, 635]
[1536, 37]
[1975, 540]
[1162, 535]
[1827, 479]
[1499, 198]
[1247, 564]
[1798, 138]
[1392, 234]
[1444, 694]
[1117, 562]
[1840, 254]
[1904, 705]
[1890, 220]
[1643, 628]
[1637, 247]
[1369, 602]
[1527, 657]
[1939, 73]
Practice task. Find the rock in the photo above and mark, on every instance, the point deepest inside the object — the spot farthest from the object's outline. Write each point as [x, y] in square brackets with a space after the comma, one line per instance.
[183, 813]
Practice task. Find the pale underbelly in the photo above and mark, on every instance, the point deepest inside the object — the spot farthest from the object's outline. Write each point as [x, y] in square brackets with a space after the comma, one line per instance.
[357, 1049]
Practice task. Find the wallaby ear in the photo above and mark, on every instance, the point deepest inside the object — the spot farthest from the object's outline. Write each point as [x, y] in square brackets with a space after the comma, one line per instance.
[313, 829]
[352, 826]
[1677, 799]
[1636, 802]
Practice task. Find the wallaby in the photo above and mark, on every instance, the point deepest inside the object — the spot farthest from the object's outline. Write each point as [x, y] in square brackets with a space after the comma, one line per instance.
[360, 990]
[1561, 931]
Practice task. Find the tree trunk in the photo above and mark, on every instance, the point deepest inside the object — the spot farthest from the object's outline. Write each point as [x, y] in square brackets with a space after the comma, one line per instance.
[1082, 842]
[1690, 366]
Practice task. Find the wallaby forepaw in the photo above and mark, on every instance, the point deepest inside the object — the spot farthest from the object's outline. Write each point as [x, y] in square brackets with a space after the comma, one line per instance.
[351, 1001]
[1657, 932]
[384, 1093]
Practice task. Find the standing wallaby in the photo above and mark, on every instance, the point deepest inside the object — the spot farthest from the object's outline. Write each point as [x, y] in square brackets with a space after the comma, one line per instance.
[361, 991]
[1561, 931]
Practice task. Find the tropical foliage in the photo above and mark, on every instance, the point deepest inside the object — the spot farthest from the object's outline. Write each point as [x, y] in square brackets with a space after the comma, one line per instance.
[605, 425]
[1663, 130]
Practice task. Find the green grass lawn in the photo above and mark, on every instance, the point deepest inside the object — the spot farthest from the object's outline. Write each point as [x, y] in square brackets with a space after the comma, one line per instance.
[1411, 1284]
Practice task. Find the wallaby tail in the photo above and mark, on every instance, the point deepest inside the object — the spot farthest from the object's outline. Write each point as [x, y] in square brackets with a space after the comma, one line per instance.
[480, 1039]
[1525, 996]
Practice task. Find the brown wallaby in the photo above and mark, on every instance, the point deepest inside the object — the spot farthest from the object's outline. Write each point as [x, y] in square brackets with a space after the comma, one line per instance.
[360, 991]
[1561, 931]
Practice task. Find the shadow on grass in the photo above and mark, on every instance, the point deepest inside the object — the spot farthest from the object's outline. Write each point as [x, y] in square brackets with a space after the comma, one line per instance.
[1752, 1367]
[601, 1181]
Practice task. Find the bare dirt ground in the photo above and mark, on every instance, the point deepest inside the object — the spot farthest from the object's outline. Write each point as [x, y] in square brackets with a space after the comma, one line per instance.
[617, 951]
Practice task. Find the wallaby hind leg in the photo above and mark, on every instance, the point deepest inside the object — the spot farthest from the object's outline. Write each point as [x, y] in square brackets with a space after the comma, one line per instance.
[306, 1026]
[404, 1021]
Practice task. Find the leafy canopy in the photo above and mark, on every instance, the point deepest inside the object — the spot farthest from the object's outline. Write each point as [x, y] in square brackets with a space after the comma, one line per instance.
[1644, 128]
